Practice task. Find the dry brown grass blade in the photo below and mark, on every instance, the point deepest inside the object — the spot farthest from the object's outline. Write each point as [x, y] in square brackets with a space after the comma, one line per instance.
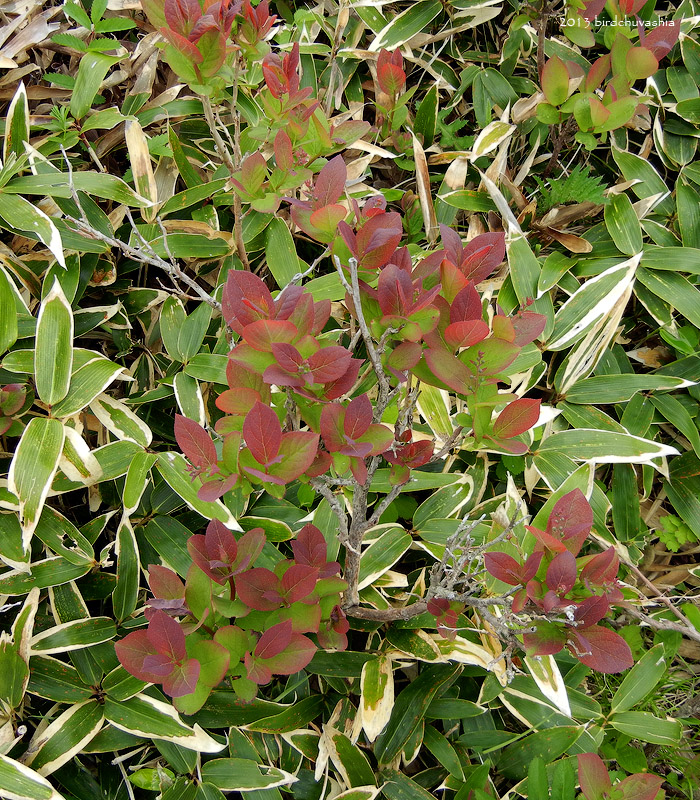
[141, 167]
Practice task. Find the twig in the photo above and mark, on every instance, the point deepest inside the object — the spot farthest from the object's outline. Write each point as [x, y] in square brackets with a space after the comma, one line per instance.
[353, 289]
[662, 624]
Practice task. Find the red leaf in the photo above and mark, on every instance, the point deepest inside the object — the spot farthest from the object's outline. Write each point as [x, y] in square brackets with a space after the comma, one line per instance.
[297, 453]
[330, 183]
[197, 548]
[181, 15]
[131, 652]
[377, 239]
[274, 640]
[252, 584]
[466, 305]
[264, 333]
[466, 334]
[295, 657]
[195, 442]
[284, 155]
[528, 326]
[504, 568]
[262, 433]
[546, 640]
[336, 389]
[394, 291]
[571, 520]
[166, 636]
[561, 573]
[531, 566]
[298, 582]
[332, 416]
[482, 255]
[593, 776]
[250, 545]
[591, 610]
[164, 583]
[329, 364]
[639, 787]
[592, 9]
[602, 568]
[405, 356]
[516, 418]
[183, 678]
[358, 417]
[221, 543]
[325, 222]
[661, 39]
[310, 547]
[448, 369]
[245, 299]
[601, 649]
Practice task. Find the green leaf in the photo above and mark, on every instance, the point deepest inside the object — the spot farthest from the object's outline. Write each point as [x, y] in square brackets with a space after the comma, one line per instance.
[244, 775]
[153, 719]
[645, 726]
[193, 330]
[172, 318]
[548, 744]
[92, 71]
[19, 782]
[58, 681]
[53, 355]
[137, 479]
[623, 224]
[410, 708]
[65, 737]
[32, 469]
[49, 572]
[397, 786]
[12, 551]
[640, 680]
[61, 536]
[425, 121]
[675, 290]
[281, 254]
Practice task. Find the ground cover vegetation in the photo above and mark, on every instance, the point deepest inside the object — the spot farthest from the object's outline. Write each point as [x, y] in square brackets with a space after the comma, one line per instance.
[349, 365]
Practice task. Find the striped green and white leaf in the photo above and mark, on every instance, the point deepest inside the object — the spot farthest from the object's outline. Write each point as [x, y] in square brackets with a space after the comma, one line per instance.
[12, 550]
[120, 420]
[623, 225]
[189, 397]
[376, 698]
[390, 543]
[16, 124]
[406, 25]
[153, 719]
[8, 315]
[595, 446]
[74, 635]
[54, 745]
[87, 382]
[193, 330]
[173, 468]
[592, 303]
[60, 535]
[434, 406]
[647, 727]
[604, 389]
[640, 680]
[19, 782]
[548, 678]
[78, 462]
[21, 215]
[137, 479]
[126, 591]
[53, 353]
[244, 775]
[172, 318]
[32, 470]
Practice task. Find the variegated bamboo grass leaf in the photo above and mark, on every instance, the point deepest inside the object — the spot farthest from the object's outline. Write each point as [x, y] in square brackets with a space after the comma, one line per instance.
[32, 470]
[120, 420]
[16, 124]
[21, 215]
[53, 354]
[19, 782]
